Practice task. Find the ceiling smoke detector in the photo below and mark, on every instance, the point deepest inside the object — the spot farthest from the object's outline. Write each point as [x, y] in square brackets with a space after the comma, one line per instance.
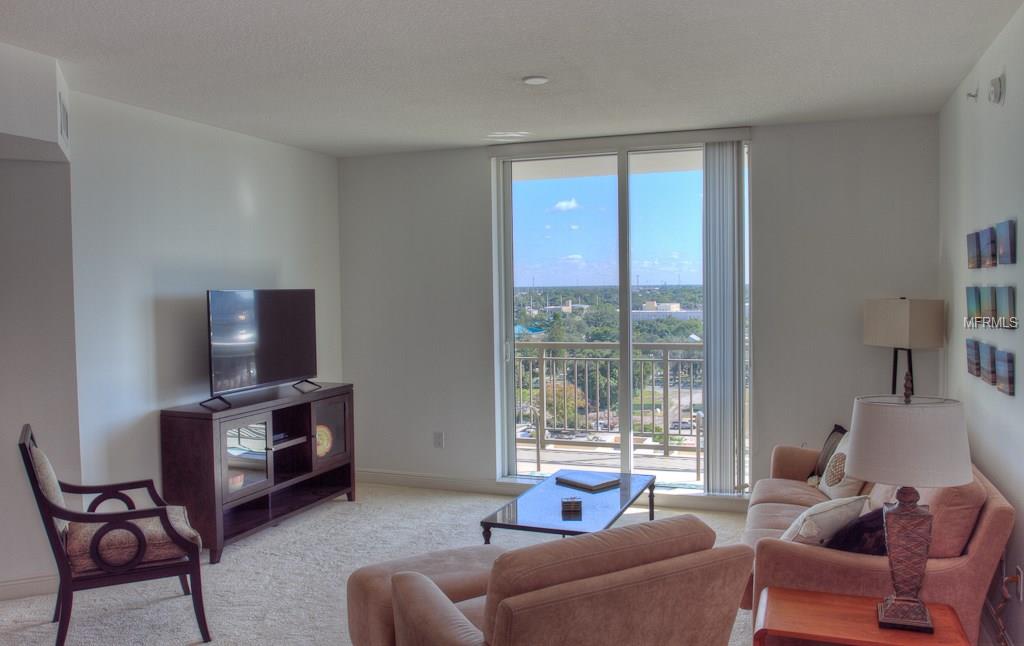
[535, 80]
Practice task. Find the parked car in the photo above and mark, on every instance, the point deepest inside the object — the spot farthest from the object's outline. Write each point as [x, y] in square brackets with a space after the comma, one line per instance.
[680, 425]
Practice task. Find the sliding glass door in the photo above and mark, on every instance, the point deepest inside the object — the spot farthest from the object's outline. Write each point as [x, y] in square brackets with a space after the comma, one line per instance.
[605, 324]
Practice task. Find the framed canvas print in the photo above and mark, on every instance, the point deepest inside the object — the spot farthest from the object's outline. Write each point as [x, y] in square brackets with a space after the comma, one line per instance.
[987, 242]
[1006, 242]
[1006, 306]
[987, 354]
[1004, 372]
[973, 251]
[973, 359]
[988, 302]
[973, 302]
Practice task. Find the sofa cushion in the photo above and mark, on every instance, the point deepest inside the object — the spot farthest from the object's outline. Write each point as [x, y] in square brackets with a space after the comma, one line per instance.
[540, 566]
[817, 524]
[473, 609]
[790, 492]
[954, 513]
[750, 537]
[773, 515]
[119, 546]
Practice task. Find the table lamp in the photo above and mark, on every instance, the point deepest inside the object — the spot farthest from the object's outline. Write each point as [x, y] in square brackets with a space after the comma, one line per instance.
[909, 442]
[906, 324]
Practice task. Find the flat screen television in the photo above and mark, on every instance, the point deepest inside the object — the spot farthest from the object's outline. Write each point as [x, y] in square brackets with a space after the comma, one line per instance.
[260, 337]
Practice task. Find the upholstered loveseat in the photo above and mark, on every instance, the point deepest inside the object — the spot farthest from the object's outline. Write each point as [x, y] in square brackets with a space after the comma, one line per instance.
[970, 529]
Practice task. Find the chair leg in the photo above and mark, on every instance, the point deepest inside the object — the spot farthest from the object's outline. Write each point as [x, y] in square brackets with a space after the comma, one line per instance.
[197, 602]
[56, 606]
[65, 614]
[184, 584]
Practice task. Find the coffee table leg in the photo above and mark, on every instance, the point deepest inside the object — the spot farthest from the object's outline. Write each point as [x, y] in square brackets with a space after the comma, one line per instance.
[487, 535]
[650, 500]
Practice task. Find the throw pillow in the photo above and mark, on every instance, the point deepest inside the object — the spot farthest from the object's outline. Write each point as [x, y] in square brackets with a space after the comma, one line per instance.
[834, 482]
[863, 535]
[817, 524]
[827, 449]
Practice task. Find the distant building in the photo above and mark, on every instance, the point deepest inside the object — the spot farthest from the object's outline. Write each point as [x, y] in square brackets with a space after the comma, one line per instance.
[566, 308]
[659, 313]
[655, 306]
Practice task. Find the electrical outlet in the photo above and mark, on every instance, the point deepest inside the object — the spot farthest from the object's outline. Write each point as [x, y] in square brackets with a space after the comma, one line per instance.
[1020, 583]
[438, 439]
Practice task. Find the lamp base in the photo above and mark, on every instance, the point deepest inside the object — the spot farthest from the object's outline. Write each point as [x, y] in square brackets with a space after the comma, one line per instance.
[905, 614]
[908, 534]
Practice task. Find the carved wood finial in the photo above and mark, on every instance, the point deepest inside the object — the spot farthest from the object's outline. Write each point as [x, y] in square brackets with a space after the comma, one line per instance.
[908, 388]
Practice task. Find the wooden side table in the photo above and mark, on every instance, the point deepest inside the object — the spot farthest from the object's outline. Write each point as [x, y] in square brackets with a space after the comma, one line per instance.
[844, 620]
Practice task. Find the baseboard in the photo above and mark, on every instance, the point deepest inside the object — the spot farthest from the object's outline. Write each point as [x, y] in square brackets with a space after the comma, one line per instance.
[28, 587]
[428, 481]
[513, 487]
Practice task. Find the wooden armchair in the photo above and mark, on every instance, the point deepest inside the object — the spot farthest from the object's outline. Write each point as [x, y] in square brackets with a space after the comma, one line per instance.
[98, 549]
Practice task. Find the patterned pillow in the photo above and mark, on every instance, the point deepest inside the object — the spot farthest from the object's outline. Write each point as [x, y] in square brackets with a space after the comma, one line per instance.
[831, 442]
[834, 482]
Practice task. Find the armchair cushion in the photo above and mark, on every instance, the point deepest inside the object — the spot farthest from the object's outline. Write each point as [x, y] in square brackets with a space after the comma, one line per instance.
[118, 546]
[49, 485]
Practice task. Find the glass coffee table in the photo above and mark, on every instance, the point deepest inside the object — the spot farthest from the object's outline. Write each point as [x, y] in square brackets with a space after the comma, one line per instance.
[539, 509]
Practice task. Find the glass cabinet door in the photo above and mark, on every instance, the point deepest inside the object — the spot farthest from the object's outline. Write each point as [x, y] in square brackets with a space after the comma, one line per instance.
[247, 456]
[330, 423]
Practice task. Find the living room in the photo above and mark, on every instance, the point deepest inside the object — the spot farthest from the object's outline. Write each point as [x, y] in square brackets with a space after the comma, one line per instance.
[385, 161]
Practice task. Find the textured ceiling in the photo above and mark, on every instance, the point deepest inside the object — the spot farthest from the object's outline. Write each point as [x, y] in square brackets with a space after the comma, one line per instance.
[350, 77]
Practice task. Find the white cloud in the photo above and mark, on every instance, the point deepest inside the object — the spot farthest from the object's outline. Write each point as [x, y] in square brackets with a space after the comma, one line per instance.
[574, 227]
[547, 226]
[567, 205]
[574, 258]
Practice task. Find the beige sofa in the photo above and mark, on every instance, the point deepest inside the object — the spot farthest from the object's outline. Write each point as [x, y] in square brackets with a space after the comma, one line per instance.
[970, 529]
[626, 585]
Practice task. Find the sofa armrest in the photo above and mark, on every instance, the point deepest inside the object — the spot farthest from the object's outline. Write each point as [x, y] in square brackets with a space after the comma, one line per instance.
[424, 616]
[793, 462]
[785, 564]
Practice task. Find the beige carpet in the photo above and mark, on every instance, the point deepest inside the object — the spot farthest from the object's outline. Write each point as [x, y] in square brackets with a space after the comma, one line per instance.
[286, 584]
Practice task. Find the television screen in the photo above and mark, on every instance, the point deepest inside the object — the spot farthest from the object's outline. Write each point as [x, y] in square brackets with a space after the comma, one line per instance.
[260, 337]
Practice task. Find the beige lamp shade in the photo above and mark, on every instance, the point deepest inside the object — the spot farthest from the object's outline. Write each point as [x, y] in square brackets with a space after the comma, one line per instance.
[913, 323]
[920, 444]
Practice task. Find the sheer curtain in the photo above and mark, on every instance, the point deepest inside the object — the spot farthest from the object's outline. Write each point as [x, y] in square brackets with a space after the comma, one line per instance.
[723, 313]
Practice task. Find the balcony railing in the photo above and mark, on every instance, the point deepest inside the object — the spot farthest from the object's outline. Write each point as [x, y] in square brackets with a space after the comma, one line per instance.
[567, 400]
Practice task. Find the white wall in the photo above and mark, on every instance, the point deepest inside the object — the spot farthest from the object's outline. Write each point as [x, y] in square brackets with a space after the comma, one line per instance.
[417, 319]
[164, 209]
[37, 358]
[982, 165]
[840, 213]
[28, 93]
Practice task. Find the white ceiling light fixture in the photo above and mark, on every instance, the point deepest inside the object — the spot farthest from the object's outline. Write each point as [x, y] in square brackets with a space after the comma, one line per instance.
[535, 79]
[503, 136]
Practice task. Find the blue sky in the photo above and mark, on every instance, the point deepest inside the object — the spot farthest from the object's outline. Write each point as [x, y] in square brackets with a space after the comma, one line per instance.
[565, 230]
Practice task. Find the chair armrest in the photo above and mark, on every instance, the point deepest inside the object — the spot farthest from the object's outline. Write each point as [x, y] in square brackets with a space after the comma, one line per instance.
[115, 491]
[793, 462]
[424, 616]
